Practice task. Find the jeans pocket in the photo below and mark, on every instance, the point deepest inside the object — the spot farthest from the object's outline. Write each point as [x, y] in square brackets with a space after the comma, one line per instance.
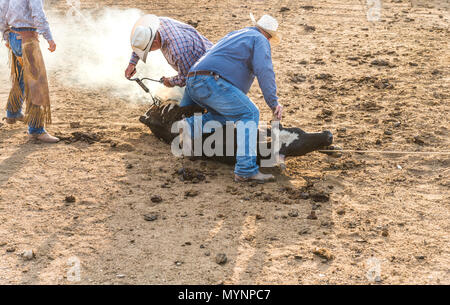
[200, 91]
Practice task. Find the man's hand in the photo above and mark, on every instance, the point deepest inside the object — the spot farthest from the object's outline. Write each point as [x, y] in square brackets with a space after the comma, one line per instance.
[51, 46]
[7, 45]
[130, 71]
[167, 82]
[278, 112]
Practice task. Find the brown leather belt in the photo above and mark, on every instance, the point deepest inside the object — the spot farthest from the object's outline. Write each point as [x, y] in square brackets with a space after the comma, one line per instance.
[210, 73]
[28, 33]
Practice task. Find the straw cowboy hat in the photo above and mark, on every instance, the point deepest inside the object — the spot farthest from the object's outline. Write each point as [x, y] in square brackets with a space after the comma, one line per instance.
[269, 25]
[143, 35]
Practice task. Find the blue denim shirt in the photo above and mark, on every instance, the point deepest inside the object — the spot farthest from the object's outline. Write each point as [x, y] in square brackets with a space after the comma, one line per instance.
[240, 57]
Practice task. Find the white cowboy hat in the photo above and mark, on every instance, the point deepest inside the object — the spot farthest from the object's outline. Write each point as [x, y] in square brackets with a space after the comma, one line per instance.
[143, 35]
[268, 24]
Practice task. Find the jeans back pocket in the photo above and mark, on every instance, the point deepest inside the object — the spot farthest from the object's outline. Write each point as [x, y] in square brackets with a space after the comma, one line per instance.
[200, 91]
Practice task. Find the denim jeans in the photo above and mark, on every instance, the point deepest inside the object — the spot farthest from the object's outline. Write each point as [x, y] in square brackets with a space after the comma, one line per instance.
[225, 102]
[16, 47]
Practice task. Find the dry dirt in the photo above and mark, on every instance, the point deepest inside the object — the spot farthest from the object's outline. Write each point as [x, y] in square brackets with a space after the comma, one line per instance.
[376, 86]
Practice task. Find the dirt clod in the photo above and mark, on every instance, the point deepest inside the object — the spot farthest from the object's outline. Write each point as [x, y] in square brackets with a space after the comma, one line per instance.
[70, 199]
[221, 259]
[323, 253]
[156, 199]
[312, 216]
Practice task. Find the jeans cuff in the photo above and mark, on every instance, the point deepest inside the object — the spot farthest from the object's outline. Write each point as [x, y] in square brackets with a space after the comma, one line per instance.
[32, 130]
[13, 115]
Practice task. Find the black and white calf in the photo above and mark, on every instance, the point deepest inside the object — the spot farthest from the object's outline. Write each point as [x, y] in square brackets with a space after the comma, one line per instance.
[294, 141]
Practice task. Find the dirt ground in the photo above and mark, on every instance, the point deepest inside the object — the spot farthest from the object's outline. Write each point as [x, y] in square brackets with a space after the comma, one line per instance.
[376, 85]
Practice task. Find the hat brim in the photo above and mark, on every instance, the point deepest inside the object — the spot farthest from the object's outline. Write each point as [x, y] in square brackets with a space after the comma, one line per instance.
[152, 22]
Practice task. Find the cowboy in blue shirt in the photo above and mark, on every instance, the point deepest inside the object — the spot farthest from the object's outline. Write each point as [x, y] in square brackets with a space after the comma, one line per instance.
[220, 80]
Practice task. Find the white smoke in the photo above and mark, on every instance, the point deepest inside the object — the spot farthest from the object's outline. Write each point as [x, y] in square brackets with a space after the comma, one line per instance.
[93, 51]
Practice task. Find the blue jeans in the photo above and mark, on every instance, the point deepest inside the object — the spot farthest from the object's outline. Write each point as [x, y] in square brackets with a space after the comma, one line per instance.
[186, 100]
[225, 102]
[16, 47]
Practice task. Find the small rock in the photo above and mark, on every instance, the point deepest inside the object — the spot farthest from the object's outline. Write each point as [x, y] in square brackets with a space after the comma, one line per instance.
[284, 9]
[156, 199]
[418, 140]
[293, 213]
[70, 199]
[323, 253]
[221, 259]
[151, 217]
[28, 255]
[388, 132]
[341, 212]
[120, 276]
[178, 263]
[312, 216]
[385, 233]
[304, 231]
[11, 249]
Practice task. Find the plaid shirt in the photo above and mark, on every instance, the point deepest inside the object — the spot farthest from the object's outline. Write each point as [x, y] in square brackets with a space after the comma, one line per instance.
[181, 45]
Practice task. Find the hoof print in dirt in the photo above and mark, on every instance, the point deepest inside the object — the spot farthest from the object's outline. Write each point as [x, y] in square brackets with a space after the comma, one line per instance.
[221, 259]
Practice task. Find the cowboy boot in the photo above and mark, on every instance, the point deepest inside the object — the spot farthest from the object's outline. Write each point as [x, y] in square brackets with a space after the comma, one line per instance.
[259, 178]
[44, 137]
[12, 121]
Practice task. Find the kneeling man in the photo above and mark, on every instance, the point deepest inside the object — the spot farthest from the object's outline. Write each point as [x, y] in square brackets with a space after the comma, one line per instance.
[181, 44]
[220, 80]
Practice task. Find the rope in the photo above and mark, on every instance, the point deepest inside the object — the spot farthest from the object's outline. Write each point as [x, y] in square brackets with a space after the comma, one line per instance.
[388, 152]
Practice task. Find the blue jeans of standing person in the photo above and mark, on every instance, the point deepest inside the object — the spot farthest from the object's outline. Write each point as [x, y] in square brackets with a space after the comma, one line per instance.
[225, 102]
[16, 46]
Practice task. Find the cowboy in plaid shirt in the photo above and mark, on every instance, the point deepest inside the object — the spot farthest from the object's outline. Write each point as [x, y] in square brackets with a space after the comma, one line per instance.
[181, 44]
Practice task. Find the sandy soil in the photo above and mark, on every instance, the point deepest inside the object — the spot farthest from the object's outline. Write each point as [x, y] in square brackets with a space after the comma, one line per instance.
[376, 86]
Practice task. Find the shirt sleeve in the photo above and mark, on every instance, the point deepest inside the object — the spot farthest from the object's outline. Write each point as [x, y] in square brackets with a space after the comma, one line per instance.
[3, 24]
[134, 59]
[183, 64]
[263, 69]
[40, 20]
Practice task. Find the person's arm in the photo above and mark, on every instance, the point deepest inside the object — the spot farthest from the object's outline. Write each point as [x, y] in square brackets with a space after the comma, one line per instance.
[134, 59]
[263, 69]
[3, 23]
[40, 20]
[183, 69]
